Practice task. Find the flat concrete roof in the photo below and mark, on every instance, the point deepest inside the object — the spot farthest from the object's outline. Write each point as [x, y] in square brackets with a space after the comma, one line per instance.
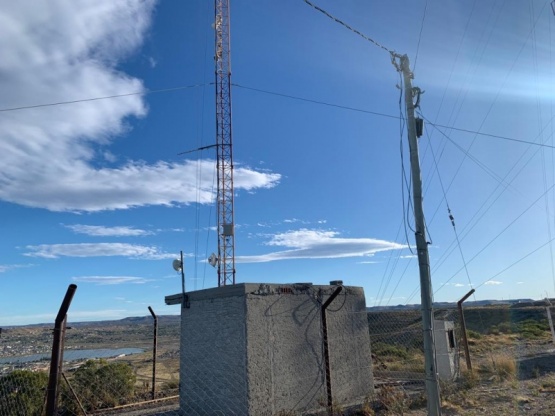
[241, 289]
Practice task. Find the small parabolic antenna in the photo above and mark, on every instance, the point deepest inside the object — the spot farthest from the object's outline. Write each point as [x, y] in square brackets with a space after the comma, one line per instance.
[213, 260]
[177, 265]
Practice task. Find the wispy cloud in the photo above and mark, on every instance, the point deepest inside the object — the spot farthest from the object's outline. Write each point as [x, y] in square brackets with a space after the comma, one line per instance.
[110, 280]
[7, 267]
[493, 283]
[102, 231]
[97, 250]
[59, 51]
[305, 244]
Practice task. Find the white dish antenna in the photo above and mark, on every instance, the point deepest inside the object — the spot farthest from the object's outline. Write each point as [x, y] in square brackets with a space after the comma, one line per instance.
[213, 260]
[177, 266]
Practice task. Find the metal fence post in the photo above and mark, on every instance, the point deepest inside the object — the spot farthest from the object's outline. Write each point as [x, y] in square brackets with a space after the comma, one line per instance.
[326, 347]
[154, 352]
[57, 352]
[463, 329]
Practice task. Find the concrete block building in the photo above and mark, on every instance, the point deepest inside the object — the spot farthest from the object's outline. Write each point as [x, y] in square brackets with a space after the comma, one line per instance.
[258, 349]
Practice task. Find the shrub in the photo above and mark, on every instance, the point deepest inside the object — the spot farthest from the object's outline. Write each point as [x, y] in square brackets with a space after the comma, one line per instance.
[22, 392]
[502, 367]
[473, 334]
[382, 349]
[100, 384]
[531, 328]
[395, 400]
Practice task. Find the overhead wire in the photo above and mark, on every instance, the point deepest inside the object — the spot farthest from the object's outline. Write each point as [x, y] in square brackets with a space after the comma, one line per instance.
[451, 217]
[405, 223]
[376, 113]
[516, 262]
[539, 114]
[500, 233]
[200, 143]
[420, 36]
[349, 27]
[293, 97]
[106, 97]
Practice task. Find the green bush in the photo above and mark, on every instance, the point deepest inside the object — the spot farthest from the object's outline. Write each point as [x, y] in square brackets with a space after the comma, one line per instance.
[22, 392]
[99, 384]
[531, 328]
[382, 349]
[473, 334]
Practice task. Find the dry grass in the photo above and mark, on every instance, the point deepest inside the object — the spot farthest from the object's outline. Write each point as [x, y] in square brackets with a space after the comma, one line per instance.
[501, 367]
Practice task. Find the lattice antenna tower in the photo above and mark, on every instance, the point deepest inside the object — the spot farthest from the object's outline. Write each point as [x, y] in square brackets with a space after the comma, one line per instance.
[226, 224]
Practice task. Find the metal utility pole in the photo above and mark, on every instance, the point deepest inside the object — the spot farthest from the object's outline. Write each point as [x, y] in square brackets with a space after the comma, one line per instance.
[226, 224]
[432, 384]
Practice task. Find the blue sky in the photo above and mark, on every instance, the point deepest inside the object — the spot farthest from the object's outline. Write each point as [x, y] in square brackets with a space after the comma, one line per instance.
[95, 192]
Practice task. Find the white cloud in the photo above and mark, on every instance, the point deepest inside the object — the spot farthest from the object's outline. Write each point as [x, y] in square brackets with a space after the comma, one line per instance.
[110, 280]
[7, 267]
[493, 282]
[53, 251]
[53, 157]
[101, 231]
[305, 244]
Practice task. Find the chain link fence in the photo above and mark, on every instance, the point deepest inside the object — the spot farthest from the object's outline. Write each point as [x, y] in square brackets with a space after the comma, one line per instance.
[398, 343]
[105, 365]
[108, 366]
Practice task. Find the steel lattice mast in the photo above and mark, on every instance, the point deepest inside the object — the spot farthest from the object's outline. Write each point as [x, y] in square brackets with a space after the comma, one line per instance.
[226, 224]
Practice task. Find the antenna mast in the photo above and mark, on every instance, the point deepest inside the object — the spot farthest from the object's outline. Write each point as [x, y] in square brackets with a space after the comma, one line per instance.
[226, 225]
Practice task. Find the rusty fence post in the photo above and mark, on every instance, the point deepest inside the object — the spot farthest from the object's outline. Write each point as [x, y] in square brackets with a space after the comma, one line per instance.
[154, 352]
[326, 347]
[58, 352]
[463, 329]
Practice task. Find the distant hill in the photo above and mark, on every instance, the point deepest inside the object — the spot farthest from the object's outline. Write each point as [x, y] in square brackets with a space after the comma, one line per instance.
[467, 304]
[132, 320]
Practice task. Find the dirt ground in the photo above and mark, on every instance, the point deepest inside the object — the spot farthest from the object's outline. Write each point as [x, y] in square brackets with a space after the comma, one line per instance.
[529, 390]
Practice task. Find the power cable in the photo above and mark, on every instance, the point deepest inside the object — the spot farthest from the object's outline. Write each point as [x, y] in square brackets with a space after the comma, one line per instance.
[343, 107]
[376, 113]
[200, 137]
[500, 233]
[349, 27]
[146, 92]
[420, 37]
[515, 263]
[451, 217]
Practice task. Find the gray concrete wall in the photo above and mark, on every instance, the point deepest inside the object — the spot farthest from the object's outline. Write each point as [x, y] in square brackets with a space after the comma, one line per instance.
[256, 349]
[284, 347]
[349, 346]
[213, 378]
